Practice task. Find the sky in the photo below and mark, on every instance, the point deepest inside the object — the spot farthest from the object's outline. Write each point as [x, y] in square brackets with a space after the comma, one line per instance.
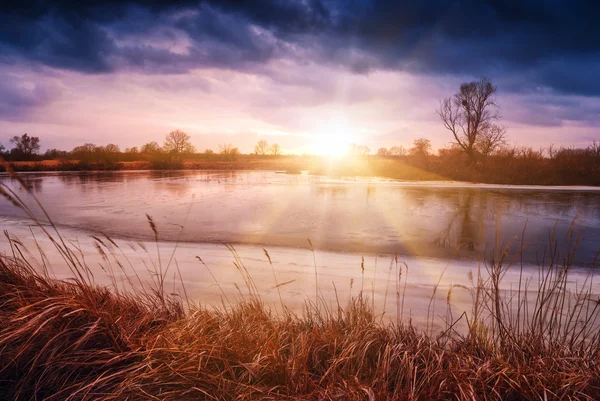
[306, 74]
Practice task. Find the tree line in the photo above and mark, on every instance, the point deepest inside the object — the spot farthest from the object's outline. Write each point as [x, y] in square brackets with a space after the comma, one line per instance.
[470, 115]
[177, 145]
[478, 149]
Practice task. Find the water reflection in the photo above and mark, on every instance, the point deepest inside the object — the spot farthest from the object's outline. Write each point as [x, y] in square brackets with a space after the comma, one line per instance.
[461, 230]
[32, 183]
[177, 189]
[371, 192]
[279, 209]
[331, 191]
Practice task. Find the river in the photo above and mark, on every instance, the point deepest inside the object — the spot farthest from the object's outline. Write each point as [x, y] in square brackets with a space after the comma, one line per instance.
[437, 228]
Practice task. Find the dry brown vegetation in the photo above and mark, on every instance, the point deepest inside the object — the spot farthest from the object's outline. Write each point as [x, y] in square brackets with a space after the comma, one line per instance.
[505, 165]
[74, 340]
[295, 163]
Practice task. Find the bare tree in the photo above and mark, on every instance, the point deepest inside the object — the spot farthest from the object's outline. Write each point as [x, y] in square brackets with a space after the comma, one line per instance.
[85, 148]
[358, 150]
[471, 113]
[275, 149]
[421, 147]
[151, 147]
[51, 153]
[229, 151]
[261, 148]
[26, 145]
[491, 139]
[397, 151]
[112, 148]
[108, 153]
[449, 152]
[178, 142]
[86, 152]
[382, 152]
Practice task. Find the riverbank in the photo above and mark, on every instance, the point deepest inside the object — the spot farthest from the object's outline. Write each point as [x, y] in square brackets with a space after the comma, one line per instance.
[505, 170]
[285, 164]
[76, 339]
[315, 165]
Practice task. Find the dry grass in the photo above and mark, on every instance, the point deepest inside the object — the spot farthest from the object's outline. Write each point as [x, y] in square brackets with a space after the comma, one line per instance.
[77, 341]
[284, 163]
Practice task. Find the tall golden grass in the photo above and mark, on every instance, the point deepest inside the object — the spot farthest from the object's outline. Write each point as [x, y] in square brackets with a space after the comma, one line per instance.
[75, 340]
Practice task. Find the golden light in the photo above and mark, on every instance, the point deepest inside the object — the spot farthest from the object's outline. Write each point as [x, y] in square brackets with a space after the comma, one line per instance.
[333, 138]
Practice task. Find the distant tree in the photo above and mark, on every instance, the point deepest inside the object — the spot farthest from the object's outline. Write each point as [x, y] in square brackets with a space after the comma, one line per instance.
[228, 149]
[54, 154]
[382, 152]
[470, 114]
[25, 145]
[451, 151]
[108, 153]
[208, 153]
[358, 150]
[151, 148]
[275, 149]
[112, 148]
[593, 148]
[132, 153]
[85, 148]
[491, 139]
[85, 153]
[421, 147]
[261, 148]
[397, 151]
[178, 142]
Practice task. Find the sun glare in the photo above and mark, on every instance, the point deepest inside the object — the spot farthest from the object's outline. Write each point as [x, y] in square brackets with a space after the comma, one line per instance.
[333, 139]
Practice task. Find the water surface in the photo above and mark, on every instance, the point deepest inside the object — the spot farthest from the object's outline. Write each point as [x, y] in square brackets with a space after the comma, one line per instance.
[374, 216]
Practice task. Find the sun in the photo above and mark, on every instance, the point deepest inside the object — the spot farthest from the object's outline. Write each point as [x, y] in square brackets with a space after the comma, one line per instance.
[331, 144]
[333, 139]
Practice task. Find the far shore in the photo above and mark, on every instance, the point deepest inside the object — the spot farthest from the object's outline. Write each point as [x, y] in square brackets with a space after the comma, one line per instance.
[407, 168]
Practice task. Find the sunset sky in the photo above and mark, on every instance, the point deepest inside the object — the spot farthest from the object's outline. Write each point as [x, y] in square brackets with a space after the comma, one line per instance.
[304, 74]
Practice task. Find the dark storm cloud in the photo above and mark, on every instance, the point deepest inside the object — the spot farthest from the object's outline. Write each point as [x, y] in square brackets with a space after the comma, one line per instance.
[555, 111]
[56, 41]
[528, 44]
